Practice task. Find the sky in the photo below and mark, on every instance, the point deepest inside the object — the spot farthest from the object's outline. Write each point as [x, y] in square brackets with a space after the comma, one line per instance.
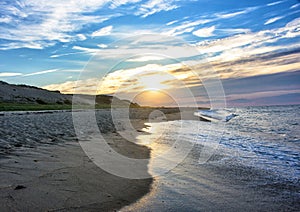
[242, 52]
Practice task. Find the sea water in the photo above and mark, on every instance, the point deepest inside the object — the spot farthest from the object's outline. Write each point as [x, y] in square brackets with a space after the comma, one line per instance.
[266, 138]
[250, 163]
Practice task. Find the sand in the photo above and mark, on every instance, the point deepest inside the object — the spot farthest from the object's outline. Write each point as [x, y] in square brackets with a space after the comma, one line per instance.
[217, 187]
[43, 167]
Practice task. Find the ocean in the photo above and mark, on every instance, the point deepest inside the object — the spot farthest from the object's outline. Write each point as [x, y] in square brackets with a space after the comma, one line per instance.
[249, 162]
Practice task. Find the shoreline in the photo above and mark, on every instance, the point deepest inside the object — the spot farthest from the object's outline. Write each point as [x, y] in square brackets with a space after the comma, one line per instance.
[45, 161]
[232, 179]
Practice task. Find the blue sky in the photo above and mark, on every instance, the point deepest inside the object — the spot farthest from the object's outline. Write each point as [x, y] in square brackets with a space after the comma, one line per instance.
[48, 44]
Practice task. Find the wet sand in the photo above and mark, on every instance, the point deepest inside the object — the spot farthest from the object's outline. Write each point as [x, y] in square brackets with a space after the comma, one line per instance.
[217, 187]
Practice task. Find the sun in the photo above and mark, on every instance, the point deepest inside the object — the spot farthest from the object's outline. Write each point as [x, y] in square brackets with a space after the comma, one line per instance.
[154, 98]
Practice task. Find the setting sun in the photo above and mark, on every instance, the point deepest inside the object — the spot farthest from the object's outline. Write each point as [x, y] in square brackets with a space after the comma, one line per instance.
[154, 97]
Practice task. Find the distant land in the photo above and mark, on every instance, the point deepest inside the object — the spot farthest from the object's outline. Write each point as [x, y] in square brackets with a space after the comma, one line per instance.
[25, 97]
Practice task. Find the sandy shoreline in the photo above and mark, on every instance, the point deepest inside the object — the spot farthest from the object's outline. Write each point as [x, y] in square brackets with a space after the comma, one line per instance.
[217, 187]
[43, 168]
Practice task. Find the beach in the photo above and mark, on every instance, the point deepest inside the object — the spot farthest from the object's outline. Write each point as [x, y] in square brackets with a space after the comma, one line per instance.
[43, 168]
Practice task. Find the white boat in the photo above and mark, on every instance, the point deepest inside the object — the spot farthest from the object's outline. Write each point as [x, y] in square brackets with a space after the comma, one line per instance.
[215, 115]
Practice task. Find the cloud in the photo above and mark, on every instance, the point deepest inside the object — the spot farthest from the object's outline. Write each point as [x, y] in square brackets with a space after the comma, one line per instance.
[178, 32]
[30, 45]
[171, 22]
[124, 80]
[9, 74]
[145, 59]
[46, 23]
[88, 86]
[5, 19]
[275, 3]
[255, 69]
[116, 3]
[103, 46]
[233, 31]
[239, 56]
[234, 14]
[72, 70]
[250, 43]
[86, 50]
[154, 6]
[103, 31]
[270, 82]
[205, 32]
[55, 21]
[230, 15]
[40, 72]
[293, 23]
[81, 37]
[14, 74]
[185, 27]
[61, 55]
[255, 65]
[142, 45]
[295, 6]
[235, 56]
[272, 20]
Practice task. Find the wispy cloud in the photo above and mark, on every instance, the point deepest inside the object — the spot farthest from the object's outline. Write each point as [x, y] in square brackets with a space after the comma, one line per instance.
[275, 3]
[5, 19]
[230, 15]
[272, 20]
[295, 6]
[9, 74]
[15, 74]
[40, 72]
[185, 26]
[186, 30]
[171, 22]
[103, 31]
[81, 37]
[116, 3]
[236, 56]
[205, 32]
[86, 50]
[234, 14]
[145, 58]
[61, 55]
[30, 45]
[154, 6]
[142, 45]
[55, 21]
[250, 43]
[233, 31]
[72, 70]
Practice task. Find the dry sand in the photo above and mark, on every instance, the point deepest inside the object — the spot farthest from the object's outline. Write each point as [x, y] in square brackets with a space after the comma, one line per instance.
[43, 168]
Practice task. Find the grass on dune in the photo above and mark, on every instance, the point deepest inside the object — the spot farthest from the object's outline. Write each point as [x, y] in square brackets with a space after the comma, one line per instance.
[35, 107]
